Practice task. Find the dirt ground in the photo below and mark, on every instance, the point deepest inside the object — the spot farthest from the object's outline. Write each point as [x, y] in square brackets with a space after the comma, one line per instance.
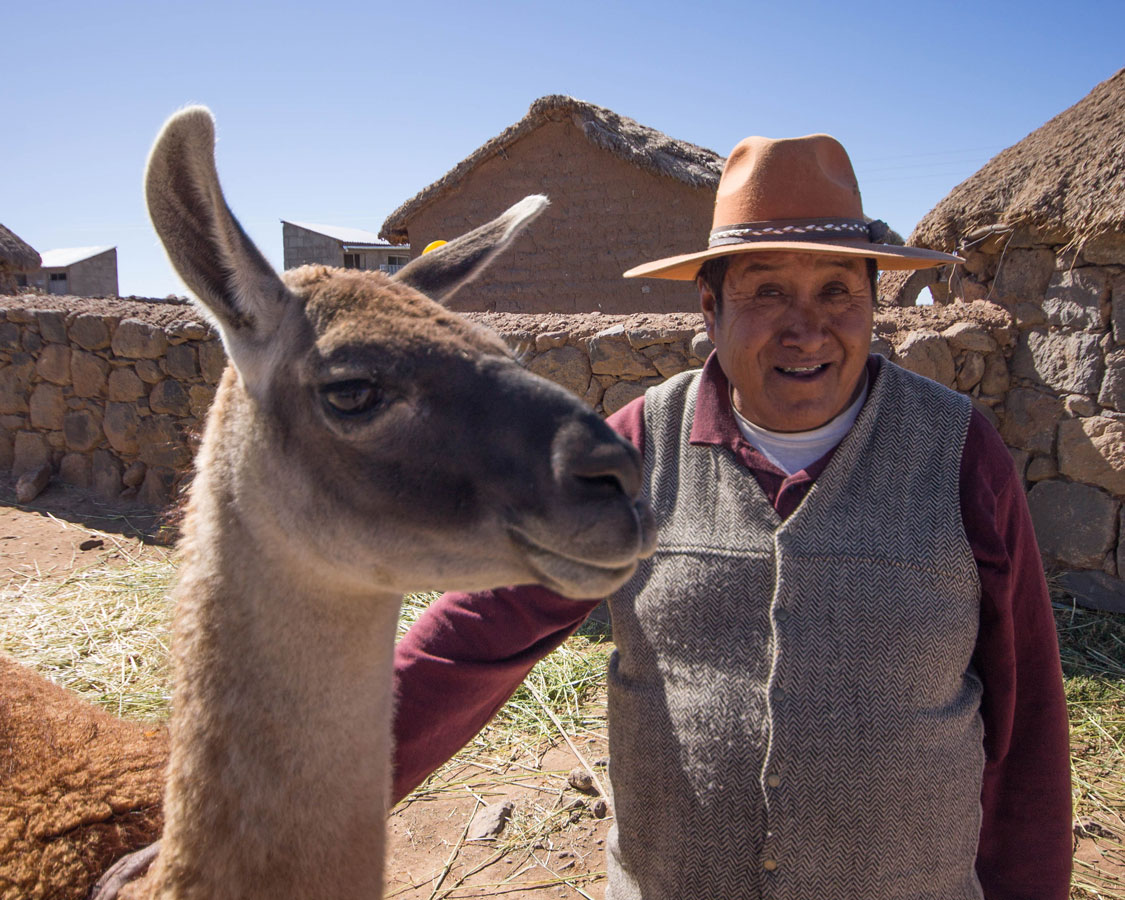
[552, 845]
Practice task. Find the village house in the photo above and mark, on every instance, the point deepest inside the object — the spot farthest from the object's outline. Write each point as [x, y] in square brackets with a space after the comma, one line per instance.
[78, 272]
[18, 260]
[620, 193]
[305, 243]
[1042, 229]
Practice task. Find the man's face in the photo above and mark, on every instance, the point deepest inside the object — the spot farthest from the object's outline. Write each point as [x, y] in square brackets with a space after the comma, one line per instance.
[792, 334]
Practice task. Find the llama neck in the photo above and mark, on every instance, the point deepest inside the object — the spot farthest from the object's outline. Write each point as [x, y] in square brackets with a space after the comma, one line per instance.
[279, 774]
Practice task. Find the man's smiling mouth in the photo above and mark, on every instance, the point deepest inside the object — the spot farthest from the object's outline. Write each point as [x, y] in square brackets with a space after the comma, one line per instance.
[802, 371]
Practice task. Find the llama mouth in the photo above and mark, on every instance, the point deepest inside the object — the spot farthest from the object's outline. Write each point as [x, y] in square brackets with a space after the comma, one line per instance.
[569, 575]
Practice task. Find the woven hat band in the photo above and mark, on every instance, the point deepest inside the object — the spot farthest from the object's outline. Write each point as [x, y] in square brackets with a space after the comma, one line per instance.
[789, 229]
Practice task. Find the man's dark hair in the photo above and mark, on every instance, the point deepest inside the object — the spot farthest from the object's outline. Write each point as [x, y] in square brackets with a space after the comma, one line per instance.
[714, 272]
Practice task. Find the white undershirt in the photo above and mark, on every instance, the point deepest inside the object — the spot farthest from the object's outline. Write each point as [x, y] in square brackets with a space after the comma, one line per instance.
[792, 451]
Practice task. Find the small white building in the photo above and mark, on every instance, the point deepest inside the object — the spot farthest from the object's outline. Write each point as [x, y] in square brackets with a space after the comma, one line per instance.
[306, 243]
[78, 272]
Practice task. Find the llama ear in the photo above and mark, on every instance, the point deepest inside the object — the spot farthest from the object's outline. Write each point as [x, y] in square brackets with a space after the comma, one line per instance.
[439, 273]
[206, 245]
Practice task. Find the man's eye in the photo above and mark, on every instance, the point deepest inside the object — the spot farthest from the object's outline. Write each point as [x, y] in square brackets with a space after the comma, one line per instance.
[350, 398]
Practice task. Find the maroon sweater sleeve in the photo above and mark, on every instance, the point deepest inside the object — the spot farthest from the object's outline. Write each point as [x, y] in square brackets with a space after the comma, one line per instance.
[467, 653]
[1025, 838]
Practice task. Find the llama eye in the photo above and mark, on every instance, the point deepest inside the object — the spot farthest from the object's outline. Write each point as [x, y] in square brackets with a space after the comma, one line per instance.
[350, 398]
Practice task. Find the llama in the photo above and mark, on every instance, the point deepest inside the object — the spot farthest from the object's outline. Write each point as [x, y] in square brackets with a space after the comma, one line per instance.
[364, 442]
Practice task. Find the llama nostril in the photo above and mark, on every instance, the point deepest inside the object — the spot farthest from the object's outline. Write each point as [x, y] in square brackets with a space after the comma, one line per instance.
[597, 459]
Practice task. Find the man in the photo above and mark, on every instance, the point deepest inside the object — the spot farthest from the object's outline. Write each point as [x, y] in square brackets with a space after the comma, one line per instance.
[838, 676]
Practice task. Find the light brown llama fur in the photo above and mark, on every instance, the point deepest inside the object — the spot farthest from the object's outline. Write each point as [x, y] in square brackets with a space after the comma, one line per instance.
[364, 442]
[78, 788]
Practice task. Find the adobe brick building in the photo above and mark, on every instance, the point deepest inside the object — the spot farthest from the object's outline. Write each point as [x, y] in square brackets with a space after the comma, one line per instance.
[621, 193]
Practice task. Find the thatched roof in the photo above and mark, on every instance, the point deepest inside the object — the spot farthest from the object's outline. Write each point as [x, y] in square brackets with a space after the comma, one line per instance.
[16, 253]
[1069, 174]
[638, 144]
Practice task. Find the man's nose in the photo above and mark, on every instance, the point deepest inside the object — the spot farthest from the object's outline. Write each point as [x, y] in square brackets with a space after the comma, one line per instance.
[805, 326]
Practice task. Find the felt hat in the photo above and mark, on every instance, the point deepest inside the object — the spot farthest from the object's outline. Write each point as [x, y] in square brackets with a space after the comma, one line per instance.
[792, 194]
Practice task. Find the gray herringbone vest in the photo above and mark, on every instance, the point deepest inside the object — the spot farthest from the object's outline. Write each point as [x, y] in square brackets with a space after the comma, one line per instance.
[792, 709]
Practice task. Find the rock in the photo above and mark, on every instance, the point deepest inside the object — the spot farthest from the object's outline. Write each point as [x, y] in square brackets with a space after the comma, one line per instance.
[995, 381]
[1092, 451]
[1112, 394]
[1117, 308]
[600, 808]
[610, 354]
[90, 332]
[105, 474]
[550, 340]
[11, 336]
[970, 371]
[566, 366]
[212, 361]
[54, 364]
[621, 394]
[188, 330]
[926, 353]
[581, 780]
[180, 362]
[30, 451]
[125, 385]
[83, 430]
[641, 336]
[1073, 299]
[91, 544]
[161, 445]
[200, 397]
[120, 425]
[670, 363]
[169, 397]
[1030, 419]
[1024, 274]
[134, 475]
[52, 325]
[1070, 363]
[490, 820]
[158, 487]
[135, 339]
[15, 384]
[1041, 468]
[75, 469]
[1030, 314]
[969, 336]
[1095, 590]
[1106, 249]
[701, 346]
[88, 374]
[1076, 524]
[31, 342]
[148, 371]
[31, 484]
[1079, 405]
[47, 406]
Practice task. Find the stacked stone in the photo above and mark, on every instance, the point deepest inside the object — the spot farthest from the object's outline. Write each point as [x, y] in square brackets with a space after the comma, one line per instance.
[108, 403]
[1064, 416]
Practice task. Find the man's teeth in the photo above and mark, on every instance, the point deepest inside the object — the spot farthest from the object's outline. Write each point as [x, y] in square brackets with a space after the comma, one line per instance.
[801, 369]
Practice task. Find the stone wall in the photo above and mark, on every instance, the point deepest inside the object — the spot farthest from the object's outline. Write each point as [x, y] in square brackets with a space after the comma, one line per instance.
[111, 394]
[1064, 412]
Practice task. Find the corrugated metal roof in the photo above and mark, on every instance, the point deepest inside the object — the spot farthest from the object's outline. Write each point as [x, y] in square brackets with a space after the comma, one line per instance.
[57, 259]
[339, 233]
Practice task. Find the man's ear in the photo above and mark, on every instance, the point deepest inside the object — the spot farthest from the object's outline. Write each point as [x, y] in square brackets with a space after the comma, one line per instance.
[708, 305]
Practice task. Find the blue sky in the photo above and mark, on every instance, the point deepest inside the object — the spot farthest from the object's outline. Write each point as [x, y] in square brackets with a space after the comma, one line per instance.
[338, 113]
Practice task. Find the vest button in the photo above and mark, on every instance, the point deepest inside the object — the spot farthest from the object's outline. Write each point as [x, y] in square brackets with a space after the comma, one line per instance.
[773, 780]
[779, 695]
[781, 614]
[769, 865]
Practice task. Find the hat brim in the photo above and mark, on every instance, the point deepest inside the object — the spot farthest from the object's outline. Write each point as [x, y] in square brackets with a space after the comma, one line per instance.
[887, 256]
